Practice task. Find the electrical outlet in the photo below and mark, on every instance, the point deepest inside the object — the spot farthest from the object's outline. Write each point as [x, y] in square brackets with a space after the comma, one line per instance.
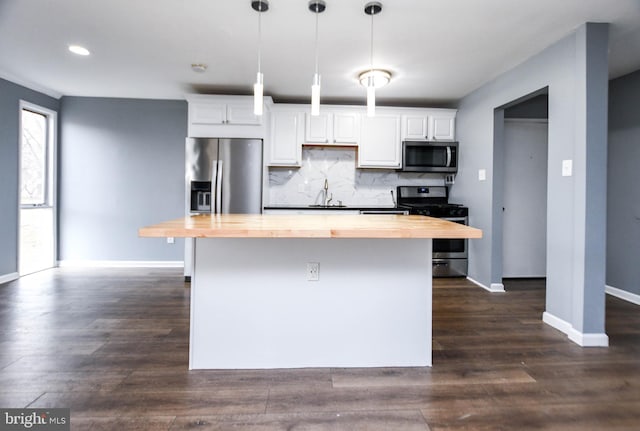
[170, 240]
[567, 168]
[482, 174]
[313, 271]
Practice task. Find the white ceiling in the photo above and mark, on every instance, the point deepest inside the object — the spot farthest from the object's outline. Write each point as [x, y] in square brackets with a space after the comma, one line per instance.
[437, 50]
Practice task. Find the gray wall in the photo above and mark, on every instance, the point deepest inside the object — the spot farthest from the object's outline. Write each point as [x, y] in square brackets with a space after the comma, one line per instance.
[575, 70]
[623, 216]
[536, 107]
[121, 167]
[10, 96]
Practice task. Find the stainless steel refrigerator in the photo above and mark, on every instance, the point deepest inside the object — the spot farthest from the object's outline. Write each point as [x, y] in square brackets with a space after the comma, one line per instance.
[222, 176]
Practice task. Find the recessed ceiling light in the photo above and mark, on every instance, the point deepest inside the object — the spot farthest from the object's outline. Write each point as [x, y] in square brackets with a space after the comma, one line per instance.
[80, 50]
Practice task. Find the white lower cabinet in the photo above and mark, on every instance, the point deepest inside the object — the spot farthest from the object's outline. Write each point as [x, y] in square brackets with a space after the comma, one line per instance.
[285, 146]
[311, 211]
[380, 145]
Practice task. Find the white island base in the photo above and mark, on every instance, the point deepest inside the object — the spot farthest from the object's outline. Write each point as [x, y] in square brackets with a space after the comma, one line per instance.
[252, 306]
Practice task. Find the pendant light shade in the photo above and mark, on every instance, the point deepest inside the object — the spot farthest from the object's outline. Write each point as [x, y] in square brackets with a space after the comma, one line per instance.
[371, 9]
[371, 97]
[258, 94]
[315, 95]
[258, 88]
[317, 7]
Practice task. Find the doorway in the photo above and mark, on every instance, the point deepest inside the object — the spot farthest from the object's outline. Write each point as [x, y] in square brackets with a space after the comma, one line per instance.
[524, 222]
[37, 242]
[521, 157]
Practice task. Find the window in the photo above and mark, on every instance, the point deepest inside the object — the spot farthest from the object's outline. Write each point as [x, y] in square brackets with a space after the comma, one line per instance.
[37, 204]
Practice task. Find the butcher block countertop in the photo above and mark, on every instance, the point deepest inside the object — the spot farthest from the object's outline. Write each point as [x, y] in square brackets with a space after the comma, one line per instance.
[309, 226]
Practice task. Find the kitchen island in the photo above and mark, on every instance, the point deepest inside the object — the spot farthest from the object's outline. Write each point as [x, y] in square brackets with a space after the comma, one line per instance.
[254, 303]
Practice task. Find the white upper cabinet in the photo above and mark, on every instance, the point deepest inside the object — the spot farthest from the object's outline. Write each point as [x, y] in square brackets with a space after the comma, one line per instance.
[241, 113]
[222, 112]
[285, 147]
[415, 126]
[442, 127]
[224, 116]
[380, 144]
[333, 128]
[429, 125]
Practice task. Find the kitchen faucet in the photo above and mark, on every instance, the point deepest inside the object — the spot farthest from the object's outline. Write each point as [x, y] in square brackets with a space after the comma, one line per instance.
[326, 199]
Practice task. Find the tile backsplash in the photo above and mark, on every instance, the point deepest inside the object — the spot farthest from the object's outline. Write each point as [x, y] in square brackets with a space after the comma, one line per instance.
[303, 186]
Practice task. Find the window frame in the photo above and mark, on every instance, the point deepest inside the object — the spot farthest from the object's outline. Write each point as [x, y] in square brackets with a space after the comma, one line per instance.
[51, 118]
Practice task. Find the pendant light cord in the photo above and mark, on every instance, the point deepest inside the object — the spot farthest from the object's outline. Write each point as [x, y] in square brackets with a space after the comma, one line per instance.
[259, 36]
[317, 13]
[371, 65]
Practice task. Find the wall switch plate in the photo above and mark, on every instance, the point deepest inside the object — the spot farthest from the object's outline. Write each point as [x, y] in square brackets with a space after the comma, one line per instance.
[567, 168]
[313, 271]
[170, 240]
[482, 174]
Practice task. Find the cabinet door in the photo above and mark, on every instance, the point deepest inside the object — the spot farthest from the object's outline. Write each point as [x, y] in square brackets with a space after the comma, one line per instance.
[380, 142]
[286, 146]
[346, 127]
[207, 113]
[442, 127]
[317, 128]
[415, 127]
[242, 113]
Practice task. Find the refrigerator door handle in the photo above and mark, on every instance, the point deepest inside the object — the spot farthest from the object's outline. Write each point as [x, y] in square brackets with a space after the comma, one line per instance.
[214, 187]
[219, 188]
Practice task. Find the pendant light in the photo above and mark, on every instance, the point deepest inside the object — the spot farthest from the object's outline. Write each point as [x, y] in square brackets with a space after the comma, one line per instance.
[258, 88]
[368, 79]
[317, 7]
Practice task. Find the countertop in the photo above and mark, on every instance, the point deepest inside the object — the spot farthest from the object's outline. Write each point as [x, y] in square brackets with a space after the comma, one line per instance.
[309, 226]
[333, 208]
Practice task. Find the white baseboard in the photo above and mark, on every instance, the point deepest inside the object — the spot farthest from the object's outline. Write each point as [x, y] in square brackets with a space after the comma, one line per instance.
[495, 287]
[556, 322]
[581, 339]
[120, 264]
[9, 277]
[622, 294]
[589, 340]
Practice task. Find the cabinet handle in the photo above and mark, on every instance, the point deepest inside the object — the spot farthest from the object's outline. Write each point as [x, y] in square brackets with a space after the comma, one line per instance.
[326, 141]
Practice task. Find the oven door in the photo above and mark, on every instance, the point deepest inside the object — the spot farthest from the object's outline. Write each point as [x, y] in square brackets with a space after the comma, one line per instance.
[451, 248]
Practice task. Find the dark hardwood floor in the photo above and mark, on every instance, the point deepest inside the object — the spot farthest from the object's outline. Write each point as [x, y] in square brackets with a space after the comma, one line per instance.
[112, 345]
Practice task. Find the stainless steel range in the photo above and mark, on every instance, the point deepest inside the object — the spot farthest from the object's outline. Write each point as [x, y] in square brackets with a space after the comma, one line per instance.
[450, 256]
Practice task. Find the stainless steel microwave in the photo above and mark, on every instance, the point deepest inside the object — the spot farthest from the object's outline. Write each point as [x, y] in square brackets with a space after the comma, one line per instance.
[429, 156]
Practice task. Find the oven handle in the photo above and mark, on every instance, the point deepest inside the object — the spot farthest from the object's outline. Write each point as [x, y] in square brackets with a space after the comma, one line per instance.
[400, 212]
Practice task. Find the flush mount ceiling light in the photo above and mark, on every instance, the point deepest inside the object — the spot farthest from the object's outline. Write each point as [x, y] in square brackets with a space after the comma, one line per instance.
[79, 50]
[380, 77]
[198, 67]
[258, 88]
[317, 7]
[371, 9]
